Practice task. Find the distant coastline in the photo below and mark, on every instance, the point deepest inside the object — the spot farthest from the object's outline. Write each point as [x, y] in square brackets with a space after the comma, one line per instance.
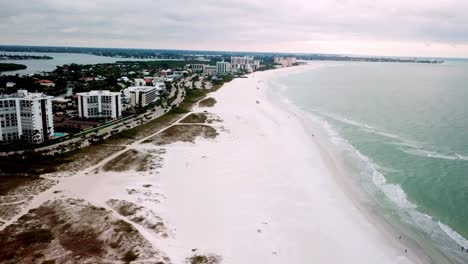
[11, 67]
[168, 54]
[24, 57]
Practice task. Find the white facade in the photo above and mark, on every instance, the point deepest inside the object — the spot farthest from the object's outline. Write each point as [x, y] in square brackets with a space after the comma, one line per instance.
[246, 63]
[139, 82]
[223, 67]
[26, 115]
[210, 70]
[99, 104]
[197, 67]
[161, 86]
[141, 95]
[285, 62]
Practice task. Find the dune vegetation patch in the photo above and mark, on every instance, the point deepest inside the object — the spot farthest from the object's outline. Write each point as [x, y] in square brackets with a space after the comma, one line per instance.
[129, 160]
[208, 102]
[73, 231]
[195, 118]
[140, 215]
[204, 259]
[183, 133]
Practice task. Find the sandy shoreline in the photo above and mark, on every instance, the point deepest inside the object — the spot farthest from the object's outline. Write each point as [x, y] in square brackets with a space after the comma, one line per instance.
[258, 190]
[264, 192]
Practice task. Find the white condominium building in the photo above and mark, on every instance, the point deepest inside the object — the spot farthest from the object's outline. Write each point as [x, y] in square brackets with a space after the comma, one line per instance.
[99, 104]
[142, 95]
[26, 116]
[285, 61]
[246, 63]
[223, 67]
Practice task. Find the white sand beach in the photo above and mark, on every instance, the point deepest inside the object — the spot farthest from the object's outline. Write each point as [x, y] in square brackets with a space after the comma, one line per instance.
[260, 192]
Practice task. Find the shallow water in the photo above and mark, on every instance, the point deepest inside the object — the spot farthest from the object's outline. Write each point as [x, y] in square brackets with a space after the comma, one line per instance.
[402, 129]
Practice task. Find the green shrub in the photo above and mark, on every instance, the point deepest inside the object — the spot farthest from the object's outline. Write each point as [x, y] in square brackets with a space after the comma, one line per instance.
[130, 256]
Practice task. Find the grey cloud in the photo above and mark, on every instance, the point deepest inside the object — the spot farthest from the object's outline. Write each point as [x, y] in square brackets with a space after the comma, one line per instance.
[225, 24]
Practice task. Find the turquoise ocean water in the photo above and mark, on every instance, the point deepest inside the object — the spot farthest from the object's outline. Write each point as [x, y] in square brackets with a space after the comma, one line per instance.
[402, 131]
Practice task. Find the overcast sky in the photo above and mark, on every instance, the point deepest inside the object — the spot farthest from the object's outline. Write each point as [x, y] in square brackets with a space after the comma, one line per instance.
[368, 27]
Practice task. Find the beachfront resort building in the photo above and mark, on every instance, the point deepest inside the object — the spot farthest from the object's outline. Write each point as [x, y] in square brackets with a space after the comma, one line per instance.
[245, 64]
[27, 116]
[285, 61]
[141, 95]
[223, 67]
[99, 104]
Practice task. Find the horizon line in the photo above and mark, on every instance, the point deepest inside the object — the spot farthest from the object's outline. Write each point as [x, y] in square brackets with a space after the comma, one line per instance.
[232, 51]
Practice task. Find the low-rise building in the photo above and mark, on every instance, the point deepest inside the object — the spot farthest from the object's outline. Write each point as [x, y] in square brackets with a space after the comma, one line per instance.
[99, 104]
[26, 116]
[197, 68]
[161, 86]
[46, 83]
[209, 70]
[139, 82]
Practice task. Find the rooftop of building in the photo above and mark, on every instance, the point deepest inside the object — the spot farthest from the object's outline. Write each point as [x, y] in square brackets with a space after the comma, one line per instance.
[98, 92]
[44, 81]
[142, 88]
[24, 94]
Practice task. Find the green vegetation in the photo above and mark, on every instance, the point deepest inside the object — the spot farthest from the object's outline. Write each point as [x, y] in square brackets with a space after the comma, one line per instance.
[9, 182]
[183, 133]
[208, 102]
[130, 159]
[198, 259]
[202, 259]
[195, 118]
[37, 163]
[130, 256]
[35, 236]
[11, 67]
[164, 64]
[122, 226]
[178, 110]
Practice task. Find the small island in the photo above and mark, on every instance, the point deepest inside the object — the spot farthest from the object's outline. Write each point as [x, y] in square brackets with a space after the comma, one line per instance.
[24, 57]
[11, 67]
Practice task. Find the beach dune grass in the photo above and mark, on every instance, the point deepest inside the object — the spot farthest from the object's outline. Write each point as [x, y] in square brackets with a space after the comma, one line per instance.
[195, 118]
[203, 259]
[183, 133]
[208, 102]
[129, 160]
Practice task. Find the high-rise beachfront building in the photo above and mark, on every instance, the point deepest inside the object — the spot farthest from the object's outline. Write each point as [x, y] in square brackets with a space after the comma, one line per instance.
[245, 63]
[285, 61]
[26, 116]
[99, 104]
[223, 67]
